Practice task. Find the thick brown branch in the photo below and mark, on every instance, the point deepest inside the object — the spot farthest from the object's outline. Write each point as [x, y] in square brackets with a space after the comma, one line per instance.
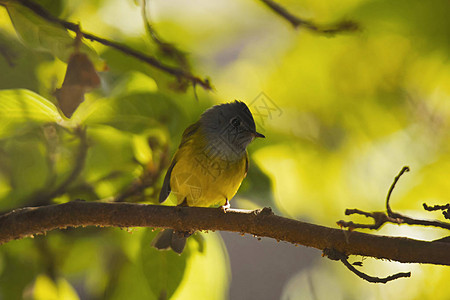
[297, 22]
[25, 222]
[177, 72]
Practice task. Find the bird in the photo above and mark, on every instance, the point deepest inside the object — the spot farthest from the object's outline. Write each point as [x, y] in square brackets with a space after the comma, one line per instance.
[210, 164]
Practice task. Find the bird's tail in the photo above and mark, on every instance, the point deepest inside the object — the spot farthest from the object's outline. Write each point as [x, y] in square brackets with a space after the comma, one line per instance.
[169, 238]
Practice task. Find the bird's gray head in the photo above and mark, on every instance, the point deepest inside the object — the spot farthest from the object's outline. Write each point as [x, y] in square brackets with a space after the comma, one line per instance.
[229, 128]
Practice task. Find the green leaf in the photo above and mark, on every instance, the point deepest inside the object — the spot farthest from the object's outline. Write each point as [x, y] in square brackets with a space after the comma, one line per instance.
[164, 270]
[45, 288]
[134, 112]
[207, 274]
[17, 257]
[42, 35]
[17, 63]
[23, 108]
[257, 186]
[131, 284]
[110, 163]
[425, 23]
[134, 82]
[21, 157]
[120, 62]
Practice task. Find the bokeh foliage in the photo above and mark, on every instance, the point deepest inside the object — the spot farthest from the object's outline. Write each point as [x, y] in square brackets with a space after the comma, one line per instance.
[348, 112]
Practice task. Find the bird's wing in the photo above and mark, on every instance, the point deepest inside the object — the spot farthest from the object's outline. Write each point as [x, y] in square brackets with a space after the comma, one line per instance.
[246, 164]
[187, 135]
[165, 190]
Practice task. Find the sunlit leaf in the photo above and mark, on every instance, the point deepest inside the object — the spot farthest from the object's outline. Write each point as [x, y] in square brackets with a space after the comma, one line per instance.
[46, 289]
[17, 257]
[163, 270]
[131, 284]
[110, 163]
[23, 108]
[20, 158]
[134, 82]
[206, 268]
[134, 112]
[40, 34]
[17, 63]
[142, 151]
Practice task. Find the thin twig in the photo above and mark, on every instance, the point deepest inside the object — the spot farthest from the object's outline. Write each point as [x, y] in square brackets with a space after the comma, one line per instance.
[179, 73]
[372, 278]
[296, 22]
[333, 254]
[435, 207]
[167, 49]
[445, 209]
[380, 218]
[388, 197]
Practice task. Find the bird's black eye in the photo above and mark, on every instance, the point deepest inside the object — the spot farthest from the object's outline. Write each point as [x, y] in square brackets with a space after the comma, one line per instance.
[235, 122]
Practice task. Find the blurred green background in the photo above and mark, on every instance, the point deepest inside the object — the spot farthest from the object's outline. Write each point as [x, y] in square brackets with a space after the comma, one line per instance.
[342, 114]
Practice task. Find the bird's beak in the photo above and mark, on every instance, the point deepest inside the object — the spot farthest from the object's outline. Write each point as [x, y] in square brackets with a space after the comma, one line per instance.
[257, 134]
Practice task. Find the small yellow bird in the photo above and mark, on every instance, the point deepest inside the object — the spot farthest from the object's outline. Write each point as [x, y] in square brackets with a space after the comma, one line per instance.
[209, 165]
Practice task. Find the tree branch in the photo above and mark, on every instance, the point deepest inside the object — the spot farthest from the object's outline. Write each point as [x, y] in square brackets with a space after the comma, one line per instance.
[445, 209]
[25, 222]
[380, 218]
[297, 22]
[179, 73]
[388, 197]
[336, 255]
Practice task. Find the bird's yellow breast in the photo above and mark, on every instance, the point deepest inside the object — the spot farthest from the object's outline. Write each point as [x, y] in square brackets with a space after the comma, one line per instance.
[202, 179]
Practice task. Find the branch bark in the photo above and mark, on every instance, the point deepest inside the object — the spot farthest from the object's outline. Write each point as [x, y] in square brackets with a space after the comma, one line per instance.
[296, 22]
[30, 221]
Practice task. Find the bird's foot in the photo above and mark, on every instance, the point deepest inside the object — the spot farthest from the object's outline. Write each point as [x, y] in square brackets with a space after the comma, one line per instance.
[226, 206]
